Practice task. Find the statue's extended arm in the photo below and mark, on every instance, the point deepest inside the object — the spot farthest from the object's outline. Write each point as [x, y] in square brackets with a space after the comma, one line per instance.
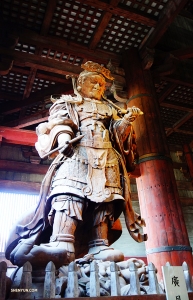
[124, 137]
[125, 125]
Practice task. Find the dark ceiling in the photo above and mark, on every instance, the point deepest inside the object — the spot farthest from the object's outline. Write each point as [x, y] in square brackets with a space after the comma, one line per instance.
[42, 41]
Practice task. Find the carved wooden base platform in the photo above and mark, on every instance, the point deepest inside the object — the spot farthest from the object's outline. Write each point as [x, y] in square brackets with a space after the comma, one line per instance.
[137, 297]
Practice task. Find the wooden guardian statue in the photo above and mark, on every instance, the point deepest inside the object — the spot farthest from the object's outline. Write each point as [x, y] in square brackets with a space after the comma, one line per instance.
[87, 186]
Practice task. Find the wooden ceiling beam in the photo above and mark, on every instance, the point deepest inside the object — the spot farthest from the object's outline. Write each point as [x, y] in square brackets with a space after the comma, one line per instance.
[40, 75]
[30, 82]
[106, 17]
[174, 106]
[24, 167]
[169, 68]
[184, 131]
[136, 16]
[180, 123]
[183, 120]
[36, 118]
[167, 92]
[167, 16]
[114, 3]
[50, 8]
[36, 97]
[52, 78]
[17, 136]
[179, 80]
[24, 124]
[31, 78]
[45, 64]
[23, 71]
[42, 63]
[123, 11]
[184, 53]
[52, 66]
[60, 44]
[100, 30]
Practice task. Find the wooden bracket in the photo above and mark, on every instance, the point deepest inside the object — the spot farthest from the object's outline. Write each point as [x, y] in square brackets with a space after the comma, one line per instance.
[147, 57]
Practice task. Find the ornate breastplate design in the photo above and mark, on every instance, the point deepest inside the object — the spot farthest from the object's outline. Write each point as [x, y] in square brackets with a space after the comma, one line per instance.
[93, 116]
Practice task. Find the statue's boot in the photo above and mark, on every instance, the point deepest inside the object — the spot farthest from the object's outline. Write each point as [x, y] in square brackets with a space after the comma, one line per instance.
[59, 252]
[61, 245]
[99, 246]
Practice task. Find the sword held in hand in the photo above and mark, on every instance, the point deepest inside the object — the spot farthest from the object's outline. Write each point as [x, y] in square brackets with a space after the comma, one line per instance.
[67, 142]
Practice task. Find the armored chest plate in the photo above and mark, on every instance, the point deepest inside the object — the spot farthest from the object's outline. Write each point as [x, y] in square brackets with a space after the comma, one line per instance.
[93, 109]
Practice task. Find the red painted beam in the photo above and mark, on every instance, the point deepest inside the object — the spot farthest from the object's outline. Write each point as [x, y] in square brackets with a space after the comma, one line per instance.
[17, 136]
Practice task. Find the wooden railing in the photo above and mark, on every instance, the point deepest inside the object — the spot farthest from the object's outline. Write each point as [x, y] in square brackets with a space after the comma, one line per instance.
[52, 287]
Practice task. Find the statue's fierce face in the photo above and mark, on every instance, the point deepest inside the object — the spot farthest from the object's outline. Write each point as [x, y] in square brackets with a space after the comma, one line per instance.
[92, 86]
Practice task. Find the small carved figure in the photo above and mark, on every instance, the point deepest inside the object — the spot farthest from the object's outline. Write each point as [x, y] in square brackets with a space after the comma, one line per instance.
[87, 186]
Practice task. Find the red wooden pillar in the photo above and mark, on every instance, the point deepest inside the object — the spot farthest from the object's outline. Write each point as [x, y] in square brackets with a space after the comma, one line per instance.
[158, 196]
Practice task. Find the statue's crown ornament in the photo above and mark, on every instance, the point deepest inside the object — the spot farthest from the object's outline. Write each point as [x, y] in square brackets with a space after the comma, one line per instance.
[91, 66]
